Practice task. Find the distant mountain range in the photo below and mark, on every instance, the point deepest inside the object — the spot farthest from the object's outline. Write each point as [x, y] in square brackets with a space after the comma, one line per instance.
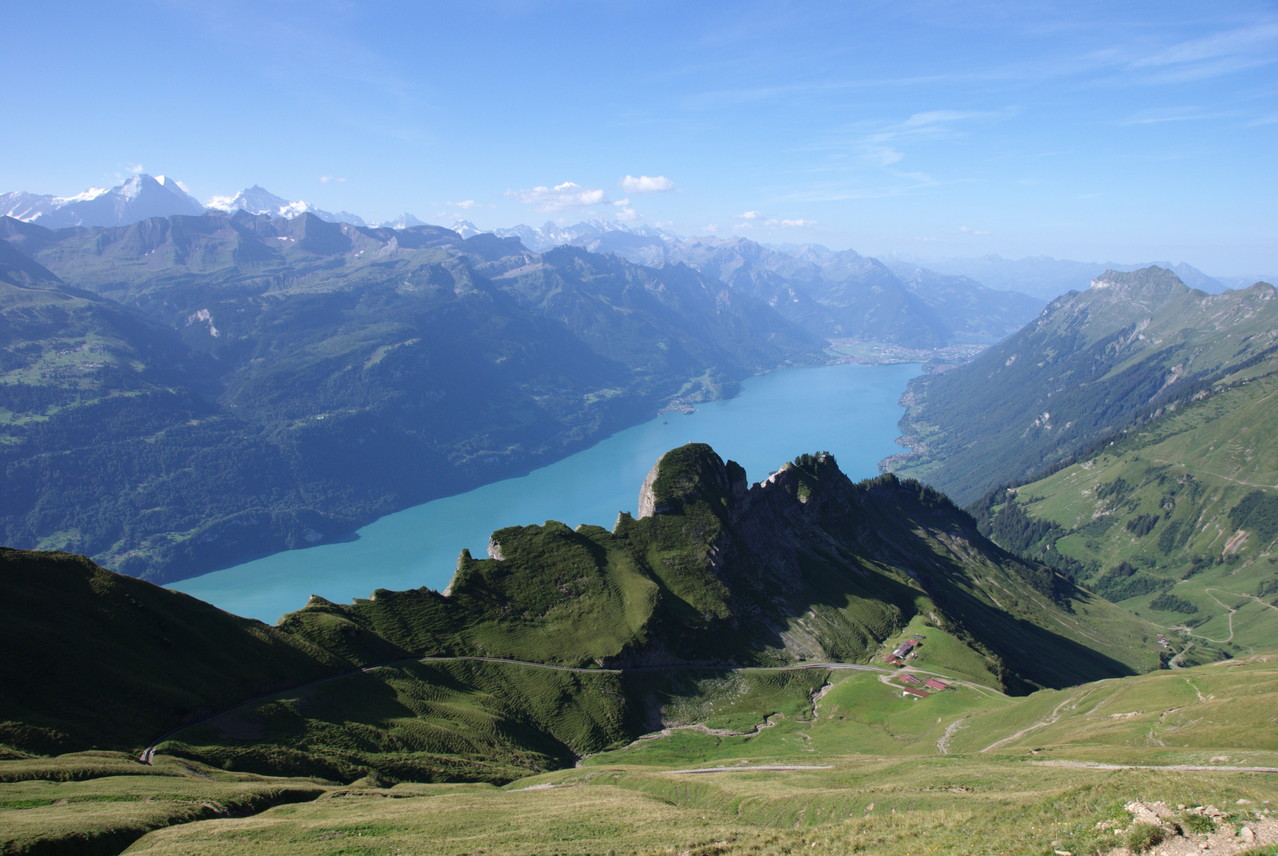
[837, 294]
[1047, 278]
[142, 197]
[139, 198]
[259, 200]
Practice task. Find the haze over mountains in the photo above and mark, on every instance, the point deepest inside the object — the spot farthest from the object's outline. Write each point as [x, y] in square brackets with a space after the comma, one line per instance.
[142, 196]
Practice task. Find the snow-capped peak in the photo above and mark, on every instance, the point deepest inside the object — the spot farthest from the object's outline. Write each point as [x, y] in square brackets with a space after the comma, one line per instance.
[82, 196]
[137, 199]
[259, 200]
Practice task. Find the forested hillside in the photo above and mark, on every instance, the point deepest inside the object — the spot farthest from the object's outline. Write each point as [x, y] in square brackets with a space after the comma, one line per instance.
[1094, 364]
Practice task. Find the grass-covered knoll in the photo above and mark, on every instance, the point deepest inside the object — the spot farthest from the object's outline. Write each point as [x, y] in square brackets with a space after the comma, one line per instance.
[1092, 365]
[776, 718]
[1178, 519]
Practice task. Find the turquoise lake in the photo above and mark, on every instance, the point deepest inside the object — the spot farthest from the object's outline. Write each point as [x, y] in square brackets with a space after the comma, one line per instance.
[848, 410]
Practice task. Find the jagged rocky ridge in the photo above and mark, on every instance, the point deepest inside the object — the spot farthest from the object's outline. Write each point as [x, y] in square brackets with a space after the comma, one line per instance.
[806, 566]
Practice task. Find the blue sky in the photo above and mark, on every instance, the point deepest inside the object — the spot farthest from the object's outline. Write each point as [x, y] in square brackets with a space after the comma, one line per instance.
[1100, 131]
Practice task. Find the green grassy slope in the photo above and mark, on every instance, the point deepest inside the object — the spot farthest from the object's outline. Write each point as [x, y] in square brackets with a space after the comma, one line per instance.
[1218, 714]
[459, 720]
[99, 803]
[857, 769]
[874, 807]
[1177, 520]
[93, 658]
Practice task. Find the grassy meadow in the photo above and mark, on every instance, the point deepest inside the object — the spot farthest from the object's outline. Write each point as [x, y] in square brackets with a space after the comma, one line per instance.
[833, 761]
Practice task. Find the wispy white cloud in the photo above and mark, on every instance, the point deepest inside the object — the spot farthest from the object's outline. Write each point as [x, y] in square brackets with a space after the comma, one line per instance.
[864, 159]
[647, 184]
[966, 230]
[1212, 55]
[883, 144]
[624, 212]
[465, 204]
[560, 197]
[756, 220]
[1169, 114]
[329, 179]
[789, 91]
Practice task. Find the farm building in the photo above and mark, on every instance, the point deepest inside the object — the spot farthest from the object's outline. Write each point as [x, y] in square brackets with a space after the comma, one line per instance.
[933, 683]
[908, 679]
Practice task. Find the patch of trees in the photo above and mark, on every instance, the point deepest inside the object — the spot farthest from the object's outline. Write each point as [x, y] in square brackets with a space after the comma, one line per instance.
[1257, 513]
[1142, 524]
[1011, 528]
[1125, 581]
[1167, 602]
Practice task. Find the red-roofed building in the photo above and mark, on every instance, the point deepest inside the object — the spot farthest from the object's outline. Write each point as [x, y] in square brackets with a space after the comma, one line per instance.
[910, 691]
[908, 679]
[933, 683]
